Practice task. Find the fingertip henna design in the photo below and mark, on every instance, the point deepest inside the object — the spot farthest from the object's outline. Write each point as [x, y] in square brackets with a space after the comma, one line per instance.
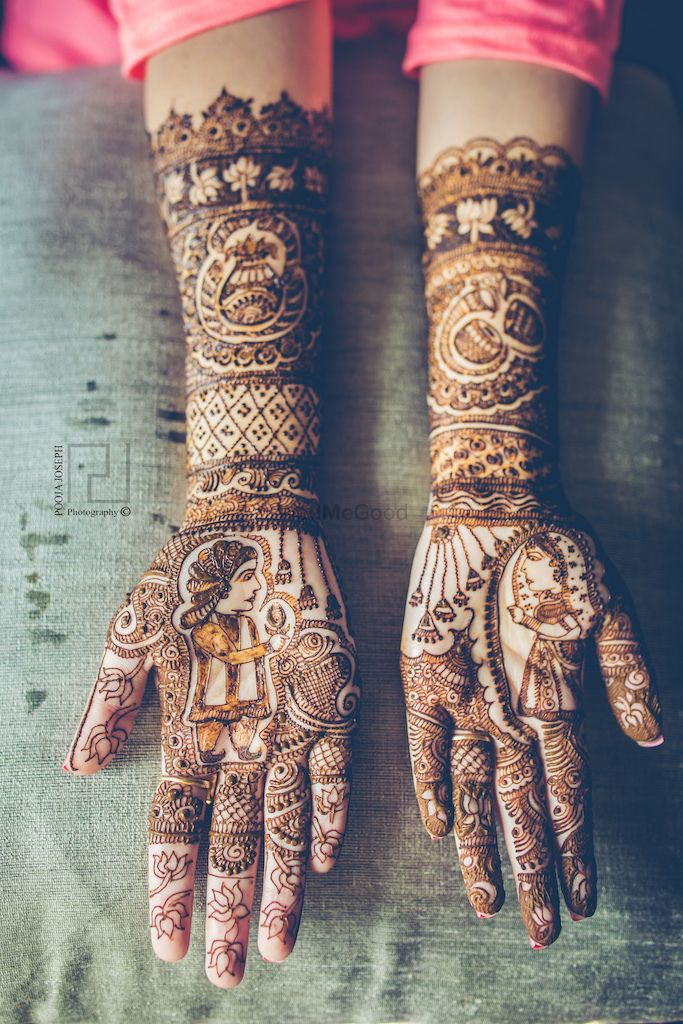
[630, 687]
[507, 586]
[241, 616]
[472, 773]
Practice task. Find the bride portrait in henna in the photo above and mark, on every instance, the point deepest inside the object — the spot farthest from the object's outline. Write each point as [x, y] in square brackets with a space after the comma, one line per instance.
[241, 623]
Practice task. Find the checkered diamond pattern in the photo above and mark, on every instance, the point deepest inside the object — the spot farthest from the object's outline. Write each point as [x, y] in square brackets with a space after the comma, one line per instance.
[237, 420]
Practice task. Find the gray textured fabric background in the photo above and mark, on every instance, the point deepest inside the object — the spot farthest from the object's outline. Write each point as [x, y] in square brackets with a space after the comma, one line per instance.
[92, 354]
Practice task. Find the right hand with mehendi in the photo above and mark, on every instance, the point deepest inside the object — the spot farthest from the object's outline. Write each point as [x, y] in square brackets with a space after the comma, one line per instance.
[507, 585]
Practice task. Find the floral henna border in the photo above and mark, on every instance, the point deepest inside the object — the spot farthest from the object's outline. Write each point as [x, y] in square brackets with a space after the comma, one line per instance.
[244, 197]
[497, 220]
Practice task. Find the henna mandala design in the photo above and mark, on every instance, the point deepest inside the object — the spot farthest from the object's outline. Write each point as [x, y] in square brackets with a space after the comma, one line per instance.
[244, 198]
[508, 586]
[241, 615]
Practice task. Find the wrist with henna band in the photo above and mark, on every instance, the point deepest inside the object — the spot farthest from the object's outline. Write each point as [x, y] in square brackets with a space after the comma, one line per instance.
[243, 194]
[497, 221]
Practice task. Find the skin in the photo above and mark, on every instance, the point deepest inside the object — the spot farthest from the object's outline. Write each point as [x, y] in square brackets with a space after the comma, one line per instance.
[243, 590]
[471, 750]
[279, 771]
[297, 40]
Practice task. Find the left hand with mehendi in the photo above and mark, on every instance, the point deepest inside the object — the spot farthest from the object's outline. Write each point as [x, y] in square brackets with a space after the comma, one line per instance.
[241, 616]
[494, 700]
[254, 740]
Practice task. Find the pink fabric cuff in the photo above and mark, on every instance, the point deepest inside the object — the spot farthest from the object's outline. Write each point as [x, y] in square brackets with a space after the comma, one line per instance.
[148, 26]
[576, 36]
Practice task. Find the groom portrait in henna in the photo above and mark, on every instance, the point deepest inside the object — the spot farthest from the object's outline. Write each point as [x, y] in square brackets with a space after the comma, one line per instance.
[241, 619]
[223, 581]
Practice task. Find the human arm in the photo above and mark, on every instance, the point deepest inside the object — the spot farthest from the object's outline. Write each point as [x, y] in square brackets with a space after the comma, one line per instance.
[240, 150]
[498, 186]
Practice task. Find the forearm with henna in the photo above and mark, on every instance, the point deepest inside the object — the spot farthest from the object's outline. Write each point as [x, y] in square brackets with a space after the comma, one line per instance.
[497, 224]
[243, 194]
[492, 672]
[241, 614]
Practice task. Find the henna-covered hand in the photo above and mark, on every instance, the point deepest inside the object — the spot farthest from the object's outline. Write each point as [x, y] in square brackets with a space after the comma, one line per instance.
[246, 635]
[240, 617]
[493, 648]
[507, 585]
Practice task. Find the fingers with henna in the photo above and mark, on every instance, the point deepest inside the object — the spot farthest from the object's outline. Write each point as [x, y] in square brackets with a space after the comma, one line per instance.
[109, 714]
[569, 801]
[328, 766]
[429, 730]
[475, 830]
[628, 677]
[523, 815]
[175, 825]
[234, 848]
[287, 824]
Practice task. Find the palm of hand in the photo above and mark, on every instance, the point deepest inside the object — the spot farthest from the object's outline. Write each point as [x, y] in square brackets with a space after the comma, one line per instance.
[493, 648]
[247, 637]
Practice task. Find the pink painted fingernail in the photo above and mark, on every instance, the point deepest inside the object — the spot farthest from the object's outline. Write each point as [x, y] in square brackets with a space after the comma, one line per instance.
[576, 917]
[484, 917]
[535, 945]
[66, 767]
[651, 743]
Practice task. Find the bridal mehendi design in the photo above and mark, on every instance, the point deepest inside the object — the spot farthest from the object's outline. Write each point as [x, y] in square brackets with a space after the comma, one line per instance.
[497, 223]
[168, 868]
[626, 674]
[508, 585]
[244, 197]
[472, 777]
[241, 616]
[226, 905]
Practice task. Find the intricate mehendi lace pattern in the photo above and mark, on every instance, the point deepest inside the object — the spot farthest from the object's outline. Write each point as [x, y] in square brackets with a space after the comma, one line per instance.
[507, 586]
[497, 220]
[244, 197]
[241, 615]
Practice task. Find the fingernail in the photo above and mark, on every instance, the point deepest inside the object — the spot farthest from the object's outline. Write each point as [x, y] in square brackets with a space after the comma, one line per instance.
[66, 768]
[576, 917]
[484, 917]
[535, 945]
[651, 743]
[434, 839]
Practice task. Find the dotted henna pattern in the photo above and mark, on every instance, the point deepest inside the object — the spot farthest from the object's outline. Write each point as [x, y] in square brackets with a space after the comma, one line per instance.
[508, 585]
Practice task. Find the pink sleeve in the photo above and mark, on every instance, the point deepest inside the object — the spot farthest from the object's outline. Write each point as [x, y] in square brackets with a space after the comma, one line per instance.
[35, 40]
[148, 26]
[577, 36]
